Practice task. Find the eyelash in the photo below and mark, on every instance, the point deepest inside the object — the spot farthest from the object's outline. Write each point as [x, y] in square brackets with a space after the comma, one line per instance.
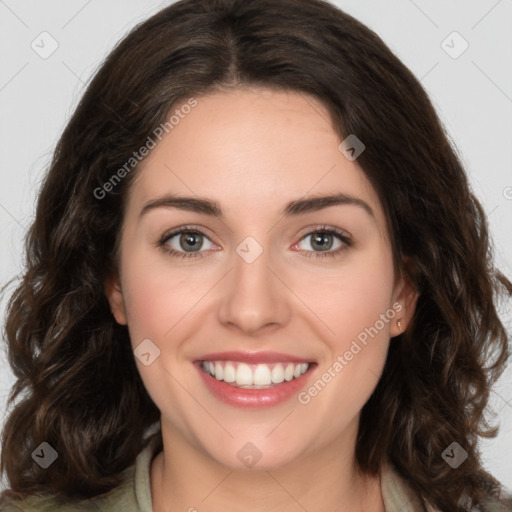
[342, 236]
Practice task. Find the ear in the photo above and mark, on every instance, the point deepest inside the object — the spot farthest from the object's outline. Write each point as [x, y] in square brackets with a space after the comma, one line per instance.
[115, 298]
[405, 298]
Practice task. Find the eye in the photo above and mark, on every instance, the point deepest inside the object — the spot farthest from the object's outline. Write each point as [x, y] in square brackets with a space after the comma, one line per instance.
[329, 241]
[188, 242]
[185, 243]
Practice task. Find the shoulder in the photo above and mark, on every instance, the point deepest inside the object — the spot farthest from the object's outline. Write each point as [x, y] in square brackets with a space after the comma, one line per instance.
[133, 494]
[118, 499]
[45, 504]
[399, 497]
[504, 504]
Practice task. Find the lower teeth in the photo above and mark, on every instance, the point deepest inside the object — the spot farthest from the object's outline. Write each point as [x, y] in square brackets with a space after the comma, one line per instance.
[250, 387]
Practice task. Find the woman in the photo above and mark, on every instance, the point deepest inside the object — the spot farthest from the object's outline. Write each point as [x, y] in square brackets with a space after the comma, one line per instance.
[257, 279]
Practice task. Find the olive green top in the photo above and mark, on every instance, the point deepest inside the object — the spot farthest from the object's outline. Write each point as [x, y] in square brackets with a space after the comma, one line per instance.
[134, 493]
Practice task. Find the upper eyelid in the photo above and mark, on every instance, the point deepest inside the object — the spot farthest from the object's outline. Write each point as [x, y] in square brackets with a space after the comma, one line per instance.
[184, 229]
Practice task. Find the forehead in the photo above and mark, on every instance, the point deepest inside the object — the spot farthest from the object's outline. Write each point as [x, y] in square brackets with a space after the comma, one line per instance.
[251, 149]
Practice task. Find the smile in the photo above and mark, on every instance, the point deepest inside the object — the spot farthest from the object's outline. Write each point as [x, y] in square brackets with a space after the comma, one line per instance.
[254, 376]
[254, 380]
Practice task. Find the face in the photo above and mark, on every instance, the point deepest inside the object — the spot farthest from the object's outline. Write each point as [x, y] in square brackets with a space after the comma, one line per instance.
[259, 312]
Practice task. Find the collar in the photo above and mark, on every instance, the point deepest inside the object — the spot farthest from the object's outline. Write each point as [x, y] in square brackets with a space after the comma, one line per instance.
[397, 494]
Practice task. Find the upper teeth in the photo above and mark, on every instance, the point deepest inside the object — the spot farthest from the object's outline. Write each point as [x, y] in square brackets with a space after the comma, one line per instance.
[243, 374]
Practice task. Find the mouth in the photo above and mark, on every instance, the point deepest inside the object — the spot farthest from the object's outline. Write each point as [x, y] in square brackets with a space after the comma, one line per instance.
[254, 380]
[252, 376]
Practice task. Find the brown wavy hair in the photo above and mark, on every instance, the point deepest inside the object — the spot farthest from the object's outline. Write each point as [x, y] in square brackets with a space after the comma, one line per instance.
[77, 386]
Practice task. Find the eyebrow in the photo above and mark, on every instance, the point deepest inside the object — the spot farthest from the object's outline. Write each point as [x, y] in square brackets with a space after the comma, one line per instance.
[293, 208]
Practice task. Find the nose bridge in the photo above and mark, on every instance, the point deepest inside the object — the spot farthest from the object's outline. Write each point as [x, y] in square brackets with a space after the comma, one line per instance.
[254, 298]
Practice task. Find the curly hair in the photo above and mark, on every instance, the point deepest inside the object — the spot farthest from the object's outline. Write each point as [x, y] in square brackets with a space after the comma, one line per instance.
[77, 385]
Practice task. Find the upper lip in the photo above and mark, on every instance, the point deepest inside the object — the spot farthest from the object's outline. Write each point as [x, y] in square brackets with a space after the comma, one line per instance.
[253, 357]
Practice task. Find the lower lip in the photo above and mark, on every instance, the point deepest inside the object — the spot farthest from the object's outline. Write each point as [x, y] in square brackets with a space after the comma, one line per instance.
[254, 398]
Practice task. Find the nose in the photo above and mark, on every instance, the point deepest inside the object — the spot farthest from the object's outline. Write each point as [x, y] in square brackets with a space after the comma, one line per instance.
[254, 297]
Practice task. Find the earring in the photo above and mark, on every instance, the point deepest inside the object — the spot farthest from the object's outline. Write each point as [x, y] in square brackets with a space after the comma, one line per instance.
[399, 323]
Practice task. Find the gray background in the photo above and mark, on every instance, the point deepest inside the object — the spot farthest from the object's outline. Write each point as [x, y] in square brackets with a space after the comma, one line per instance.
[472, 92]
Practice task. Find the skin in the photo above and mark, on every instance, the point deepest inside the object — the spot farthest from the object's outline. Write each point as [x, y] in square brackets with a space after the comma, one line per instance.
[253, 151]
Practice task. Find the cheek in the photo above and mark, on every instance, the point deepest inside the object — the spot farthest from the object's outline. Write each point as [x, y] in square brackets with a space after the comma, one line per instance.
[161, 303]
[158, 293]
[353, 298]
[148, 309]
[357, 306]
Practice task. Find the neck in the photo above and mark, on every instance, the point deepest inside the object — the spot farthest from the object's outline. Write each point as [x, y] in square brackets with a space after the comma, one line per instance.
[184, 478]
